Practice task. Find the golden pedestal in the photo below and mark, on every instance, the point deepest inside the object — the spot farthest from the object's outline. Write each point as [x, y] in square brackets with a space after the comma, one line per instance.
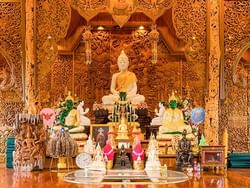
[62, 163]
[122, 136]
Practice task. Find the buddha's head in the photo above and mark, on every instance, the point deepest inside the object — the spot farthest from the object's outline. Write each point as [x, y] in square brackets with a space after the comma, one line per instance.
[161, 104]
[173, 101]
[81, 103]
[123, 61]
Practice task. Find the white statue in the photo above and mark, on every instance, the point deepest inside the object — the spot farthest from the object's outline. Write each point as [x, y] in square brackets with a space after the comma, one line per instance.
[123, 81]
[158, 120]
[83, 119]
[98, 162]
[153, 161]
[89, 146]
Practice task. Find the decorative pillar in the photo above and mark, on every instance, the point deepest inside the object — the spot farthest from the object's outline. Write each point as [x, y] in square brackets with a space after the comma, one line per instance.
[30, 47]
[213, 71]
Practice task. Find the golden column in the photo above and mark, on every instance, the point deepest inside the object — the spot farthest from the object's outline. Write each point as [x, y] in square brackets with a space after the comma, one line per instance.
[30, 47]
[213, 71]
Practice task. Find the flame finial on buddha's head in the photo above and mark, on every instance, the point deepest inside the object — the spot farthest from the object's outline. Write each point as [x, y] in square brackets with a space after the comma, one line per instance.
[173, 97]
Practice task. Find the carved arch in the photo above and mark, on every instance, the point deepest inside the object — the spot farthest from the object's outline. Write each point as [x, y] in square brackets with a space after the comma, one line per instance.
[236, 63]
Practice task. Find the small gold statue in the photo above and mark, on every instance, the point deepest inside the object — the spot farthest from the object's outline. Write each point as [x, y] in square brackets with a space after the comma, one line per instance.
[122, 130]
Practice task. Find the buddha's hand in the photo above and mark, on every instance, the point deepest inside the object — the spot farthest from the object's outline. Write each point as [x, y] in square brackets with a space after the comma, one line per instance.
[115, 92]
[156, 111]
[87, 110]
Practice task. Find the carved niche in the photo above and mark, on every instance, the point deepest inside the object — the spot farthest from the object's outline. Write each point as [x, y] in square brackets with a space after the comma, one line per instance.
[234, 114]
[155, 82]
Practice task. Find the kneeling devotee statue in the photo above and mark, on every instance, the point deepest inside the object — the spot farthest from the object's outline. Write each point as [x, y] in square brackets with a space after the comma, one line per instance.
[158, 120]
[83, 119]
[173, 121]
[123, 81]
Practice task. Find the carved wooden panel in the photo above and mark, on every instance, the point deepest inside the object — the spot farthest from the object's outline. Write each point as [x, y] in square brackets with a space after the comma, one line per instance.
[234, 111]
[10, 49]
[61, 77]
[52, 19]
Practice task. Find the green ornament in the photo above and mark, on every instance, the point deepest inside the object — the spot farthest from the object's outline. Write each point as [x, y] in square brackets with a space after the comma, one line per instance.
[203, 141]
[122, 96]
[173, 104]
[67, 107]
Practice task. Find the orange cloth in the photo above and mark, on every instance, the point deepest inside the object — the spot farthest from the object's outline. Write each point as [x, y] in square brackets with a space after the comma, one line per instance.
[124, 80]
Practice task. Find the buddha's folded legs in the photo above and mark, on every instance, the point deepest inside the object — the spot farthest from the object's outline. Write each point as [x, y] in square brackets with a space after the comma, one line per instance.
[84, 120]
[77, 129]
[110, 99]
[137, 99]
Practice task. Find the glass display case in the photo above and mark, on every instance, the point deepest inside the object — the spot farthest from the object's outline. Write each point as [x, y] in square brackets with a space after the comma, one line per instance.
[212, 156]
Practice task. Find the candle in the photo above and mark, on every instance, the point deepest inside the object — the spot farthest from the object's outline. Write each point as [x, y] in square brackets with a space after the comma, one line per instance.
[134, 115]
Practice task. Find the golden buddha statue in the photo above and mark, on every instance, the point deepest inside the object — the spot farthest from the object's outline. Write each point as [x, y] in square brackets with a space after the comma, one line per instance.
[73, 118]
[173, 120]
[123, 81]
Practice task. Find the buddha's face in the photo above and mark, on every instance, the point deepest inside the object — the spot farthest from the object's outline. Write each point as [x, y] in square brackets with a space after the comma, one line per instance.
[161, 104]
[122, 64]
[82, 103]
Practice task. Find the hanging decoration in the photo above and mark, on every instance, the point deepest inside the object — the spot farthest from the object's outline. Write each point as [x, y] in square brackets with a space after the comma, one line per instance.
[154, 37]
[121, 10]
[87, 37]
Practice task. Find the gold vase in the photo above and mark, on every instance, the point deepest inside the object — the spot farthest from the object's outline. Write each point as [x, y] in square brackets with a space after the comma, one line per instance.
[61, 163]
[109, 164]
[138, 165]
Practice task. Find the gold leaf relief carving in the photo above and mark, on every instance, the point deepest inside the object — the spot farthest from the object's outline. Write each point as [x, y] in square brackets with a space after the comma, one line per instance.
[88, 8]
[11, 64]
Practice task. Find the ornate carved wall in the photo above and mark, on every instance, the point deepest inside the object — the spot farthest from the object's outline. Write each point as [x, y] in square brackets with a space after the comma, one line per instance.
[190, 19]
[11, 65]
[234, 113]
